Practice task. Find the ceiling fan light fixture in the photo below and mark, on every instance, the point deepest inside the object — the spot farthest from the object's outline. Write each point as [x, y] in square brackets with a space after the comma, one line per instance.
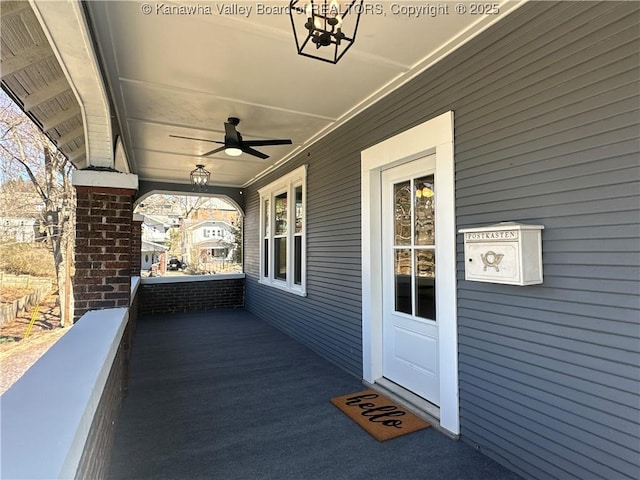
[233, 151]
[325, 29]
[234, 145]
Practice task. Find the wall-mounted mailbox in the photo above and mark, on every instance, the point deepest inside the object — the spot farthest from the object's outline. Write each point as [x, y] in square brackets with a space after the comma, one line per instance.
[507, 252]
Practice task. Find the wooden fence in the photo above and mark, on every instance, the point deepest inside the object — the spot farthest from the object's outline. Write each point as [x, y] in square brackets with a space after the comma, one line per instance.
[9, 311]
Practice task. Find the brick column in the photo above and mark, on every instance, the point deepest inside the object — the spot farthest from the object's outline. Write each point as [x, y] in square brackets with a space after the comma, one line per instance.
[136, 244]
[103, 240]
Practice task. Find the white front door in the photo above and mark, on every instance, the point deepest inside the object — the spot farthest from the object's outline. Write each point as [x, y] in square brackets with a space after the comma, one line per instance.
[409, 324]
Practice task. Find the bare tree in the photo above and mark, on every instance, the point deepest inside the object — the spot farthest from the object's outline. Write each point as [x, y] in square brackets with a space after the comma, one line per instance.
[184, 205]
[190, 204]
[27, 153]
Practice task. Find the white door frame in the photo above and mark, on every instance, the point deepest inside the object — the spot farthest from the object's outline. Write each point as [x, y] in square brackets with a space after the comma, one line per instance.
[433, 136]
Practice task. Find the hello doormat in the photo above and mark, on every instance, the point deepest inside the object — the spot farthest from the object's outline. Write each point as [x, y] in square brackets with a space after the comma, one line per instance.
[379, 416]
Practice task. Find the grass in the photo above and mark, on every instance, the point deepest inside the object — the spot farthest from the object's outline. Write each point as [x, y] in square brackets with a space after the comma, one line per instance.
[33, 259]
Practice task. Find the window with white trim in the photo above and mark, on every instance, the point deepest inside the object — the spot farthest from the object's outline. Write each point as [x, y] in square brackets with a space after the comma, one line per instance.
[283, 232]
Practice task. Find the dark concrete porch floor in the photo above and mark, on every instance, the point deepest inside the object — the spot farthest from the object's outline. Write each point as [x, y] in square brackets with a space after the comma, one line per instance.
[222, 395]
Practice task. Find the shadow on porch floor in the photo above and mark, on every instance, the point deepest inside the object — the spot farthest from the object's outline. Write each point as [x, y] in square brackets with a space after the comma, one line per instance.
[222, 395]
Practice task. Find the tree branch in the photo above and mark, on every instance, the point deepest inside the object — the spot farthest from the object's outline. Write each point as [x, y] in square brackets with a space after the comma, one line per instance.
[33, 178]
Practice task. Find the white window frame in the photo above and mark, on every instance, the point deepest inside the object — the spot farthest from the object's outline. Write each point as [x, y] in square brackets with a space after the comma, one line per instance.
[287, 183]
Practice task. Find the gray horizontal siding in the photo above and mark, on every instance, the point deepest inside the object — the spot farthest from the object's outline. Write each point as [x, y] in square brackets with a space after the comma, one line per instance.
[549, 374]
[328, 319]
[546, 131]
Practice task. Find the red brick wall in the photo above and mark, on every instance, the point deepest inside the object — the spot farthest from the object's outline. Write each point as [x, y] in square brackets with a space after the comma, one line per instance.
[94, 462]
[136, 245]
[166, 298]
[103, 248]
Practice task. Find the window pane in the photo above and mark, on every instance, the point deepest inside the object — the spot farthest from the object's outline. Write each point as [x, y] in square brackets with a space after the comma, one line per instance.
[267, 216]
[297, 267]
[424, 195]
[402, 213]
[299, 218]
[425, 283]
[280, 253]
[403, 280]
[281, 214]
[266, 257]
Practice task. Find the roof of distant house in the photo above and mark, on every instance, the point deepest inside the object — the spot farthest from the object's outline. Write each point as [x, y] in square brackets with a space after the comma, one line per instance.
[205, 223]
[213, 243]
[215, 203]
[167, 221]
[152, 247]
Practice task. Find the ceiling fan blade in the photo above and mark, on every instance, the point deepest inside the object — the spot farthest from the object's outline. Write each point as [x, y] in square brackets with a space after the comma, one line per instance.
[231, 133]
[215, 150]
[253, 152]
[258, 143]
[199, 139]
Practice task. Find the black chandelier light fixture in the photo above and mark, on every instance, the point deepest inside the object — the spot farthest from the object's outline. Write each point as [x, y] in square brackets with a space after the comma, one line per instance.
[199, 177]
[325, 29]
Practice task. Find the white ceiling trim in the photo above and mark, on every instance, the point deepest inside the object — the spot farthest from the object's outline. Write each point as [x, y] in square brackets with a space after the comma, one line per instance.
[160, 86]
[64, 25]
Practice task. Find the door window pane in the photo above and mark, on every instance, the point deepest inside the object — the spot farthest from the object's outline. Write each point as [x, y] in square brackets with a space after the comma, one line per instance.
[402, 213]
[403, 280]
[414, 246]
[424, 215]
[425, 286]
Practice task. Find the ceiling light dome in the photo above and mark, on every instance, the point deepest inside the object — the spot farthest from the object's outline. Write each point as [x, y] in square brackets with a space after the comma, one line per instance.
[233, 151]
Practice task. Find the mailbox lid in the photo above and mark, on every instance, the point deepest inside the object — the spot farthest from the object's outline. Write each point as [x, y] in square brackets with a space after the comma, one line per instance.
[498, 232]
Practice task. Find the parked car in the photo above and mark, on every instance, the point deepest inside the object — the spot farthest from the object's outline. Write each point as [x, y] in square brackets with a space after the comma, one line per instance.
[174, 264]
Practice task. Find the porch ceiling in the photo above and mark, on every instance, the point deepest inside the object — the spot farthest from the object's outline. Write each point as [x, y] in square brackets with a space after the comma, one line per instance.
[172, 74]
[33, 76]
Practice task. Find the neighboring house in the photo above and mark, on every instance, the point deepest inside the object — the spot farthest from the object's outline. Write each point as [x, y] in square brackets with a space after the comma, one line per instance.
[150, 254]
[216, 209]
[209, 240]
[20, 213]
[155, 228]
[19, 229]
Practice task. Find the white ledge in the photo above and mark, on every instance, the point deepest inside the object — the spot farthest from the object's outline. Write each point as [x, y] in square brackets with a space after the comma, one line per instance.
[50, 409]
[100, 178]
[192, 278]
[135, 283]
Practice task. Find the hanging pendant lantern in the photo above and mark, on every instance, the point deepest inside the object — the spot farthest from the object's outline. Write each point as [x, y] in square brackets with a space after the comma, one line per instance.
[199, 177]
[325, 29]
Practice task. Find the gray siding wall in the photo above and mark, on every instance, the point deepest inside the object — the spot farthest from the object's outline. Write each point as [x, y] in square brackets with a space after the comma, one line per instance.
[329, 319]
[546, 131]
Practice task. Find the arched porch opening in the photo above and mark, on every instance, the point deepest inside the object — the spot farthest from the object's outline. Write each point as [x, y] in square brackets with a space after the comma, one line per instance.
[185, 233]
